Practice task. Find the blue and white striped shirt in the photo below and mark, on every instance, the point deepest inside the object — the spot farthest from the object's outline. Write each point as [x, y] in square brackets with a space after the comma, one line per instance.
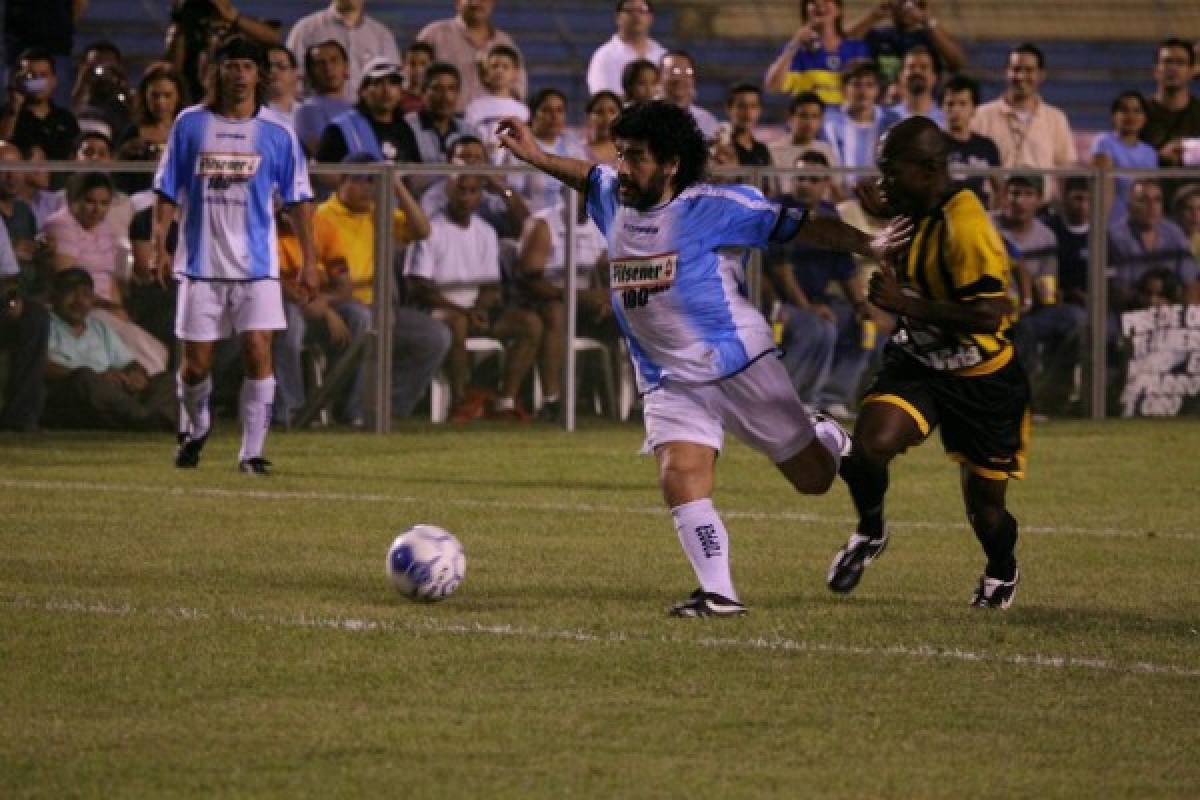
[223, 173]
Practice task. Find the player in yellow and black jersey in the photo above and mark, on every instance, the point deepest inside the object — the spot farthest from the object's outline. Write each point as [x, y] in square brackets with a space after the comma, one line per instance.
[950, 363]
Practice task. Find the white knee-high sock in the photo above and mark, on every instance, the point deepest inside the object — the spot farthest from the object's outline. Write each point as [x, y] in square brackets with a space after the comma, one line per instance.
[254, 403]
[194, 416]
[706, 543]
[833, 438]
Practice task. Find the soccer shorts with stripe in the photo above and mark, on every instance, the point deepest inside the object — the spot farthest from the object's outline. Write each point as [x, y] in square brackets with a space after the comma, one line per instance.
[984, 419]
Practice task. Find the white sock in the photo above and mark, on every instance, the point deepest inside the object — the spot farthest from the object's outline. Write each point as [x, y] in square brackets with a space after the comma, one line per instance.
[706, 544]
[833, 438]
[255, 407]
[194, 416]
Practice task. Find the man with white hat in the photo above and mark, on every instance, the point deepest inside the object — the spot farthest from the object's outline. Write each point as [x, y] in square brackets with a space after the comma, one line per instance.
[375, 126]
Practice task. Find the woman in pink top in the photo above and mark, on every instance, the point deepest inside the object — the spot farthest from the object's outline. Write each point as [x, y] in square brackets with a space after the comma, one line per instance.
[78, 237]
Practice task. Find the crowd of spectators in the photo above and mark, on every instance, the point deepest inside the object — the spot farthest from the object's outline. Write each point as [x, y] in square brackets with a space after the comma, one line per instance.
[90, 333]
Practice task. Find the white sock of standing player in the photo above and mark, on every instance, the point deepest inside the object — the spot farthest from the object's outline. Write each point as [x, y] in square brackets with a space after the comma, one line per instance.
[255, 403]
[706, 544]
[194, 416]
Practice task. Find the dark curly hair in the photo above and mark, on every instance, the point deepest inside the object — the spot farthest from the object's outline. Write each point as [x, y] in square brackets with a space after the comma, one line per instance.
[670, 132]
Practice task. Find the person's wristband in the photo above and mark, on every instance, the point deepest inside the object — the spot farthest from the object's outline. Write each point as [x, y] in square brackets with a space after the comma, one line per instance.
[931, 23]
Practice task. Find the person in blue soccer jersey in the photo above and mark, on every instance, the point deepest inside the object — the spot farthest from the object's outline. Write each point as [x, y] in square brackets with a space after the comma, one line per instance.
[950, 363]
[225, 160]
[705, 358]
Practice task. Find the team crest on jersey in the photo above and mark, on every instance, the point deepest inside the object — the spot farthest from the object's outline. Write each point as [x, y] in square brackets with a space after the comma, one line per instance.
[225, 169]
[645, 272]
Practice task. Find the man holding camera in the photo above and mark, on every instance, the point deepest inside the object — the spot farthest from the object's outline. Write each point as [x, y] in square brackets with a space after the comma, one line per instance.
[30, 117]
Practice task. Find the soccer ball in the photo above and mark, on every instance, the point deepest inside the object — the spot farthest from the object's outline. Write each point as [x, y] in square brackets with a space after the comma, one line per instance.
[426, 563]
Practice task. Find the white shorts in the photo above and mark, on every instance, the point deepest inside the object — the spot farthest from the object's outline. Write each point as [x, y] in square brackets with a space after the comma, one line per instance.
[207, 311]
[757, 405]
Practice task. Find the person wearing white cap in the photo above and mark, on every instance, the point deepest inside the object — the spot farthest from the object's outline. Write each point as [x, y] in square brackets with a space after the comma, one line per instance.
[374, 126]
[345, 21]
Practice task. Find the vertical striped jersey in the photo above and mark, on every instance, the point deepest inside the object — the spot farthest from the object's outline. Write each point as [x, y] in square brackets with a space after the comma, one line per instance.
[956, 255]
[223, 174]
[677, 276]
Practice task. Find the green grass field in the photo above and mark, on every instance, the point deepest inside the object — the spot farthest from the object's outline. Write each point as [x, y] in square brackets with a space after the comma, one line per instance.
[199, 634]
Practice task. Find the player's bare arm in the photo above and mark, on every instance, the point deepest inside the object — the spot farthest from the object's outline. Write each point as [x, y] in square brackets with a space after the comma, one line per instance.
[833, 234]
[301, 215]
[164, 215]
[984, 315]
[516, 137]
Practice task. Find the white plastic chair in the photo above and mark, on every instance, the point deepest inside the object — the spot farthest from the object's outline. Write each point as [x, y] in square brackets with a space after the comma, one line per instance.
[439, 388]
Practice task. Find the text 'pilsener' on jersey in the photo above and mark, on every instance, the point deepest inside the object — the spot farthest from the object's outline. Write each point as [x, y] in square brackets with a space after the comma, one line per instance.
[678, 281]
[223, 173]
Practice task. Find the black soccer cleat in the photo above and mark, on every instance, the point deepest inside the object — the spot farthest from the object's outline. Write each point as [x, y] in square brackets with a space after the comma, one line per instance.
[847, 568]
[187, 455]
[255, 466]
[707, 604]
[995, 593]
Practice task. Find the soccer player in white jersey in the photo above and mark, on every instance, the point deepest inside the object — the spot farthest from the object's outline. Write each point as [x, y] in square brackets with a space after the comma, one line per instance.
[705, 357]
[224, 161]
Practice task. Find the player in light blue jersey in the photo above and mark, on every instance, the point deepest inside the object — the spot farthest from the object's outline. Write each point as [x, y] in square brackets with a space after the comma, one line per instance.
[705, 357]
[225, 162]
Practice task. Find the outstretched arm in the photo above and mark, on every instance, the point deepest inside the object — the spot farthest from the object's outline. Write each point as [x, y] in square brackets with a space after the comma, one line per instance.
[516, 137]
[833, 234]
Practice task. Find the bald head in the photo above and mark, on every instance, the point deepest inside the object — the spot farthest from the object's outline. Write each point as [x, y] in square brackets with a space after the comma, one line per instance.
[915, 139]
[913, 160]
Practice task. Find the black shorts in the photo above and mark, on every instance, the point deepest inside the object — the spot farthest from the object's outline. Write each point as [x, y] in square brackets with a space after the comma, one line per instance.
[984, 418]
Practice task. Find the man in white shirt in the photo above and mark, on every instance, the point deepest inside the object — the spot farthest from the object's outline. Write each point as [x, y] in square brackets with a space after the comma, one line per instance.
[455, 274]
[345, 21]
[678, 77]
[631, 42]
[1028, 131]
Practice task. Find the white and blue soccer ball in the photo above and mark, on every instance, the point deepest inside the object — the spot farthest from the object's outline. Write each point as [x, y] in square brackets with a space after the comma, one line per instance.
[426, 563]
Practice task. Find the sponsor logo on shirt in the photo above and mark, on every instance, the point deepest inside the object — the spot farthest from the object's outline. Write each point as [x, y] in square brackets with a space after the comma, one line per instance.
[647, 272]
[647, 229]
[225, 169]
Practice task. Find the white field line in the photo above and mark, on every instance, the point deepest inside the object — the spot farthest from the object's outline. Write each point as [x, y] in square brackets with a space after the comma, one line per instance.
[429, 625]
[546, 507]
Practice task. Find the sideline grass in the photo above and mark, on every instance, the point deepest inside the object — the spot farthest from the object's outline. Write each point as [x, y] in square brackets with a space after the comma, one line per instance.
[198, 634]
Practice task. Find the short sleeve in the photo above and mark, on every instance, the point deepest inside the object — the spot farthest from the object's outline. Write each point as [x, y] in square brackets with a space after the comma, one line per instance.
[419, 263]
[290, 172]
[172, 170]
[328, 241]
[977, 257]
[602, 196]
[740, 216]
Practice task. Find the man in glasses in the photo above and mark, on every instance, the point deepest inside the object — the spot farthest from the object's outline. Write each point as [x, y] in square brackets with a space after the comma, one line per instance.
[282, 82]
[374, 126]
[678, 78]
[630, 43]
